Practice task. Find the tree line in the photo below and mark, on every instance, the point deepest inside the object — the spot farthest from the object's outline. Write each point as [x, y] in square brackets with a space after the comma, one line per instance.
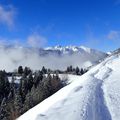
[33, 87]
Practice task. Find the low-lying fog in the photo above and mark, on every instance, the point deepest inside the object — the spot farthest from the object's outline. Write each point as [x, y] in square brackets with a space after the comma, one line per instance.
[12, 57]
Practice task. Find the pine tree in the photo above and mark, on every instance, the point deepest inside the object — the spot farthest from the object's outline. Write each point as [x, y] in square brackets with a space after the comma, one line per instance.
[27, 71]
[18, 104]
[77, 70]
[29, 102]
[71, 68]
[37, 78]
[68, 69]
[4, 85]
[4, 112]
[55, 83]
[20, 70]
[81, 71]
[23, 88]
[44, 70]
[30, 81]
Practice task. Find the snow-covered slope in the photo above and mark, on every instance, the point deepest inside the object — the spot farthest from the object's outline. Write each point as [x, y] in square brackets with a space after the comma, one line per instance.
[93, 96]
[55, 57]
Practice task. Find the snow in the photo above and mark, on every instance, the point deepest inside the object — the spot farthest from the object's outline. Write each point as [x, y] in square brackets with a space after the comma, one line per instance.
[72, 49]
[16, 79]
[93, 96]
[85, 48]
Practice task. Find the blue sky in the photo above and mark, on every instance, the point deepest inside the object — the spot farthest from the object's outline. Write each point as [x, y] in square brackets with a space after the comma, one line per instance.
[92, 23]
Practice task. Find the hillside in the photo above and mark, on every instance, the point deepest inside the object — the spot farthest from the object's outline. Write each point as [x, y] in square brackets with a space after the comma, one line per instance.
[93, 96]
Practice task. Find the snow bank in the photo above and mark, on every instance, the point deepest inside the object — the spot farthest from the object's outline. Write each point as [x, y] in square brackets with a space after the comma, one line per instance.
[93, 96]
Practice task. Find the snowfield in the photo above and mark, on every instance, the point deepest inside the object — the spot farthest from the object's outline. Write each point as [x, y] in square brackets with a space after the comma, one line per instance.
[93, 96]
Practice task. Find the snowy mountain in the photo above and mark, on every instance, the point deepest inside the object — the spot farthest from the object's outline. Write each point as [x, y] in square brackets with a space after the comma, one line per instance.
[72, 50]
[51, 57]
[93, 96]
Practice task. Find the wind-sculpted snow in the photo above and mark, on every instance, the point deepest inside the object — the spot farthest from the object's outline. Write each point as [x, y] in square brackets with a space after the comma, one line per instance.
[93, 96]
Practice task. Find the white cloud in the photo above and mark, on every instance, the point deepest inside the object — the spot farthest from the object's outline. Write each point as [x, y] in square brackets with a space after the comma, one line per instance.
[113, 35]
[7, 15]
[36, 40]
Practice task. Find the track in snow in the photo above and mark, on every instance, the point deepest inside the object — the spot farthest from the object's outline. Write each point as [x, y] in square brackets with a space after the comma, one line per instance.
[100, 109]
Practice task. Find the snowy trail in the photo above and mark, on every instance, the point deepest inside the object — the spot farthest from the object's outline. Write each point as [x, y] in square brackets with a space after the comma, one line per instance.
[100, 109]
[93, 96]
[98, 106]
